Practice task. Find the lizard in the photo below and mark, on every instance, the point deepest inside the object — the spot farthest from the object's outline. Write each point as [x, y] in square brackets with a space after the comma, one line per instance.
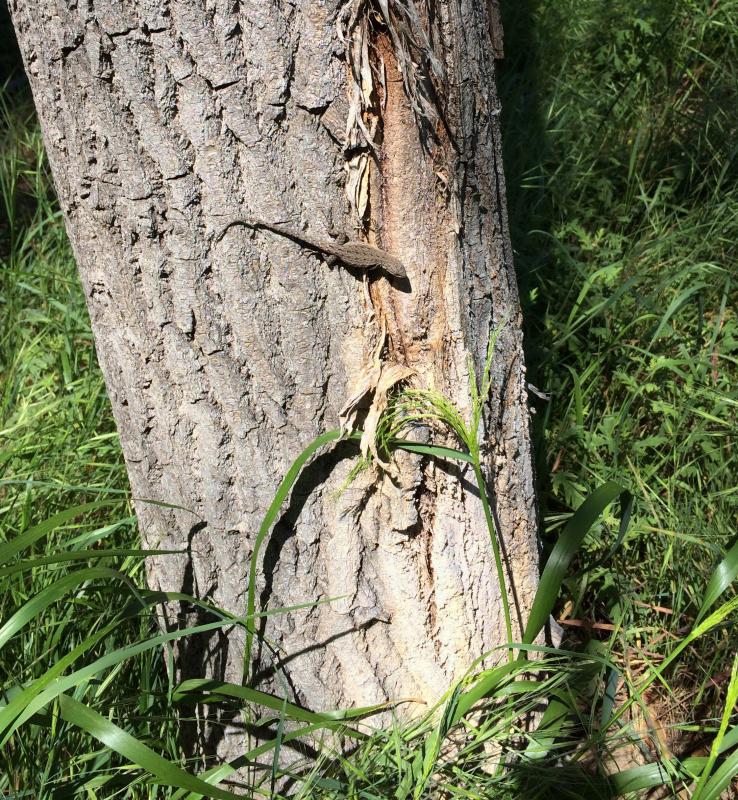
[353, 254]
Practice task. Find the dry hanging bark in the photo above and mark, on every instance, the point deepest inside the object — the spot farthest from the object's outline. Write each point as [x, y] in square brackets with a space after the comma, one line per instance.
[224, 358]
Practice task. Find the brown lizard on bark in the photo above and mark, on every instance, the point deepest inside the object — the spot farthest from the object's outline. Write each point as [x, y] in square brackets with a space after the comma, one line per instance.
[353, 254]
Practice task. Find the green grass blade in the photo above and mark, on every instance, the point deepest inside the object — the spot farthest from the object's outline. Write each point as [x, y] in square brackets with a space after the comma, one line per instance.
[277, 747]
[269, 519]
[567, 545]
[608, 699]
[722, 779]
[710, 788]
[552, 722]
[482, 687]
[638, 779]
[730, 740]
[15, 699]
[81, 555]
[674, 306]
[111, 659]
[431, 450]
[725, 573]
[19, 543]
[224, 770]
[36, 605]
[335, 720]
[135, 751]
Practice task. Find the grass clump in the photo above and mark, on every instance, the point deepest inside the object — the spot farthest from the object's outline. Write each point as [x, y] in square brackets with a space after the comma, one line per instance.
[621, 124]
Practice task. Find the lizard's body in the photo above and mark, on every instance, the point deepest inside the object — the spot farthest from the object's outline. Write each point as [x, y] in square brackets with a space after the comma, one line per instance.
[353, 254]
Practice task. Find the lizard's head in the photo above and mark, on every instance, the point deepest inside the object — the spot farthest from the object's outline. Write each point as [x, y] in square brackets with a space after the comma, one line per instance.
[394, 266]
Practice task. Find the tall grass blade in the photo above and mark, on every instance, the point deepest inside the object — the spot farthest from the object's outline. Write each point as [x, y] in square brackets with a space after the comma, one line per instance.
[725, 573]
[566, 547]
[40, 602]
[135, 751]
[25, 540]
[34, 700]
[211, 691]
[710, 787]
[269, 519]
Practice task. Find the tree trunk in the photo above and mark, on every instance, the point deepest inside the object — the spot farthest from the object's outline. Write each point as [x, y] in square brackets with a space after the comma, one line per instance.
[225, 357]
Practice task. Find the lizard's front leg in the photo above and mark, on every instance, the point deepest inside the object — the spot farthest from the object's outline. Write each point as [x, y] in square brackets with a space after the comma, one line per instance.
[340, 238]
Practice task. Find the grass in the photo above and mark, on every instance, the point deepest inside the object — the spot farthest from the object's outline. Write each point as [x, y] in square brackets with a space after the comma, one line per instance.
[620, 124]
[59, 450]
[625, 220]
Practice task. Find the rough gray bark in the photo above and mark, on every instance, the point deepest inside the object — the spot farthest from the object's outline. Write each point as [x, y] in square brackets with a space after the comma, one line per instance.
[224, 359]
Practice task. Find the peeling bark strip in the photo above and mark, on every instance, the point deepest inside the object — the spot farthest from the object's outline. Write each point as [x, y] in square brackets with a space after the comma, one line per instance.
[223, 359]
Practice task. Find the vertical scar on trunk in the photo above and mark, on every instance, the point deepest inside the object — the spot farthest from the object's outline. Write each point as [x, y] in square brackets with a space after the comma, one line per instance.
[411, 210]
